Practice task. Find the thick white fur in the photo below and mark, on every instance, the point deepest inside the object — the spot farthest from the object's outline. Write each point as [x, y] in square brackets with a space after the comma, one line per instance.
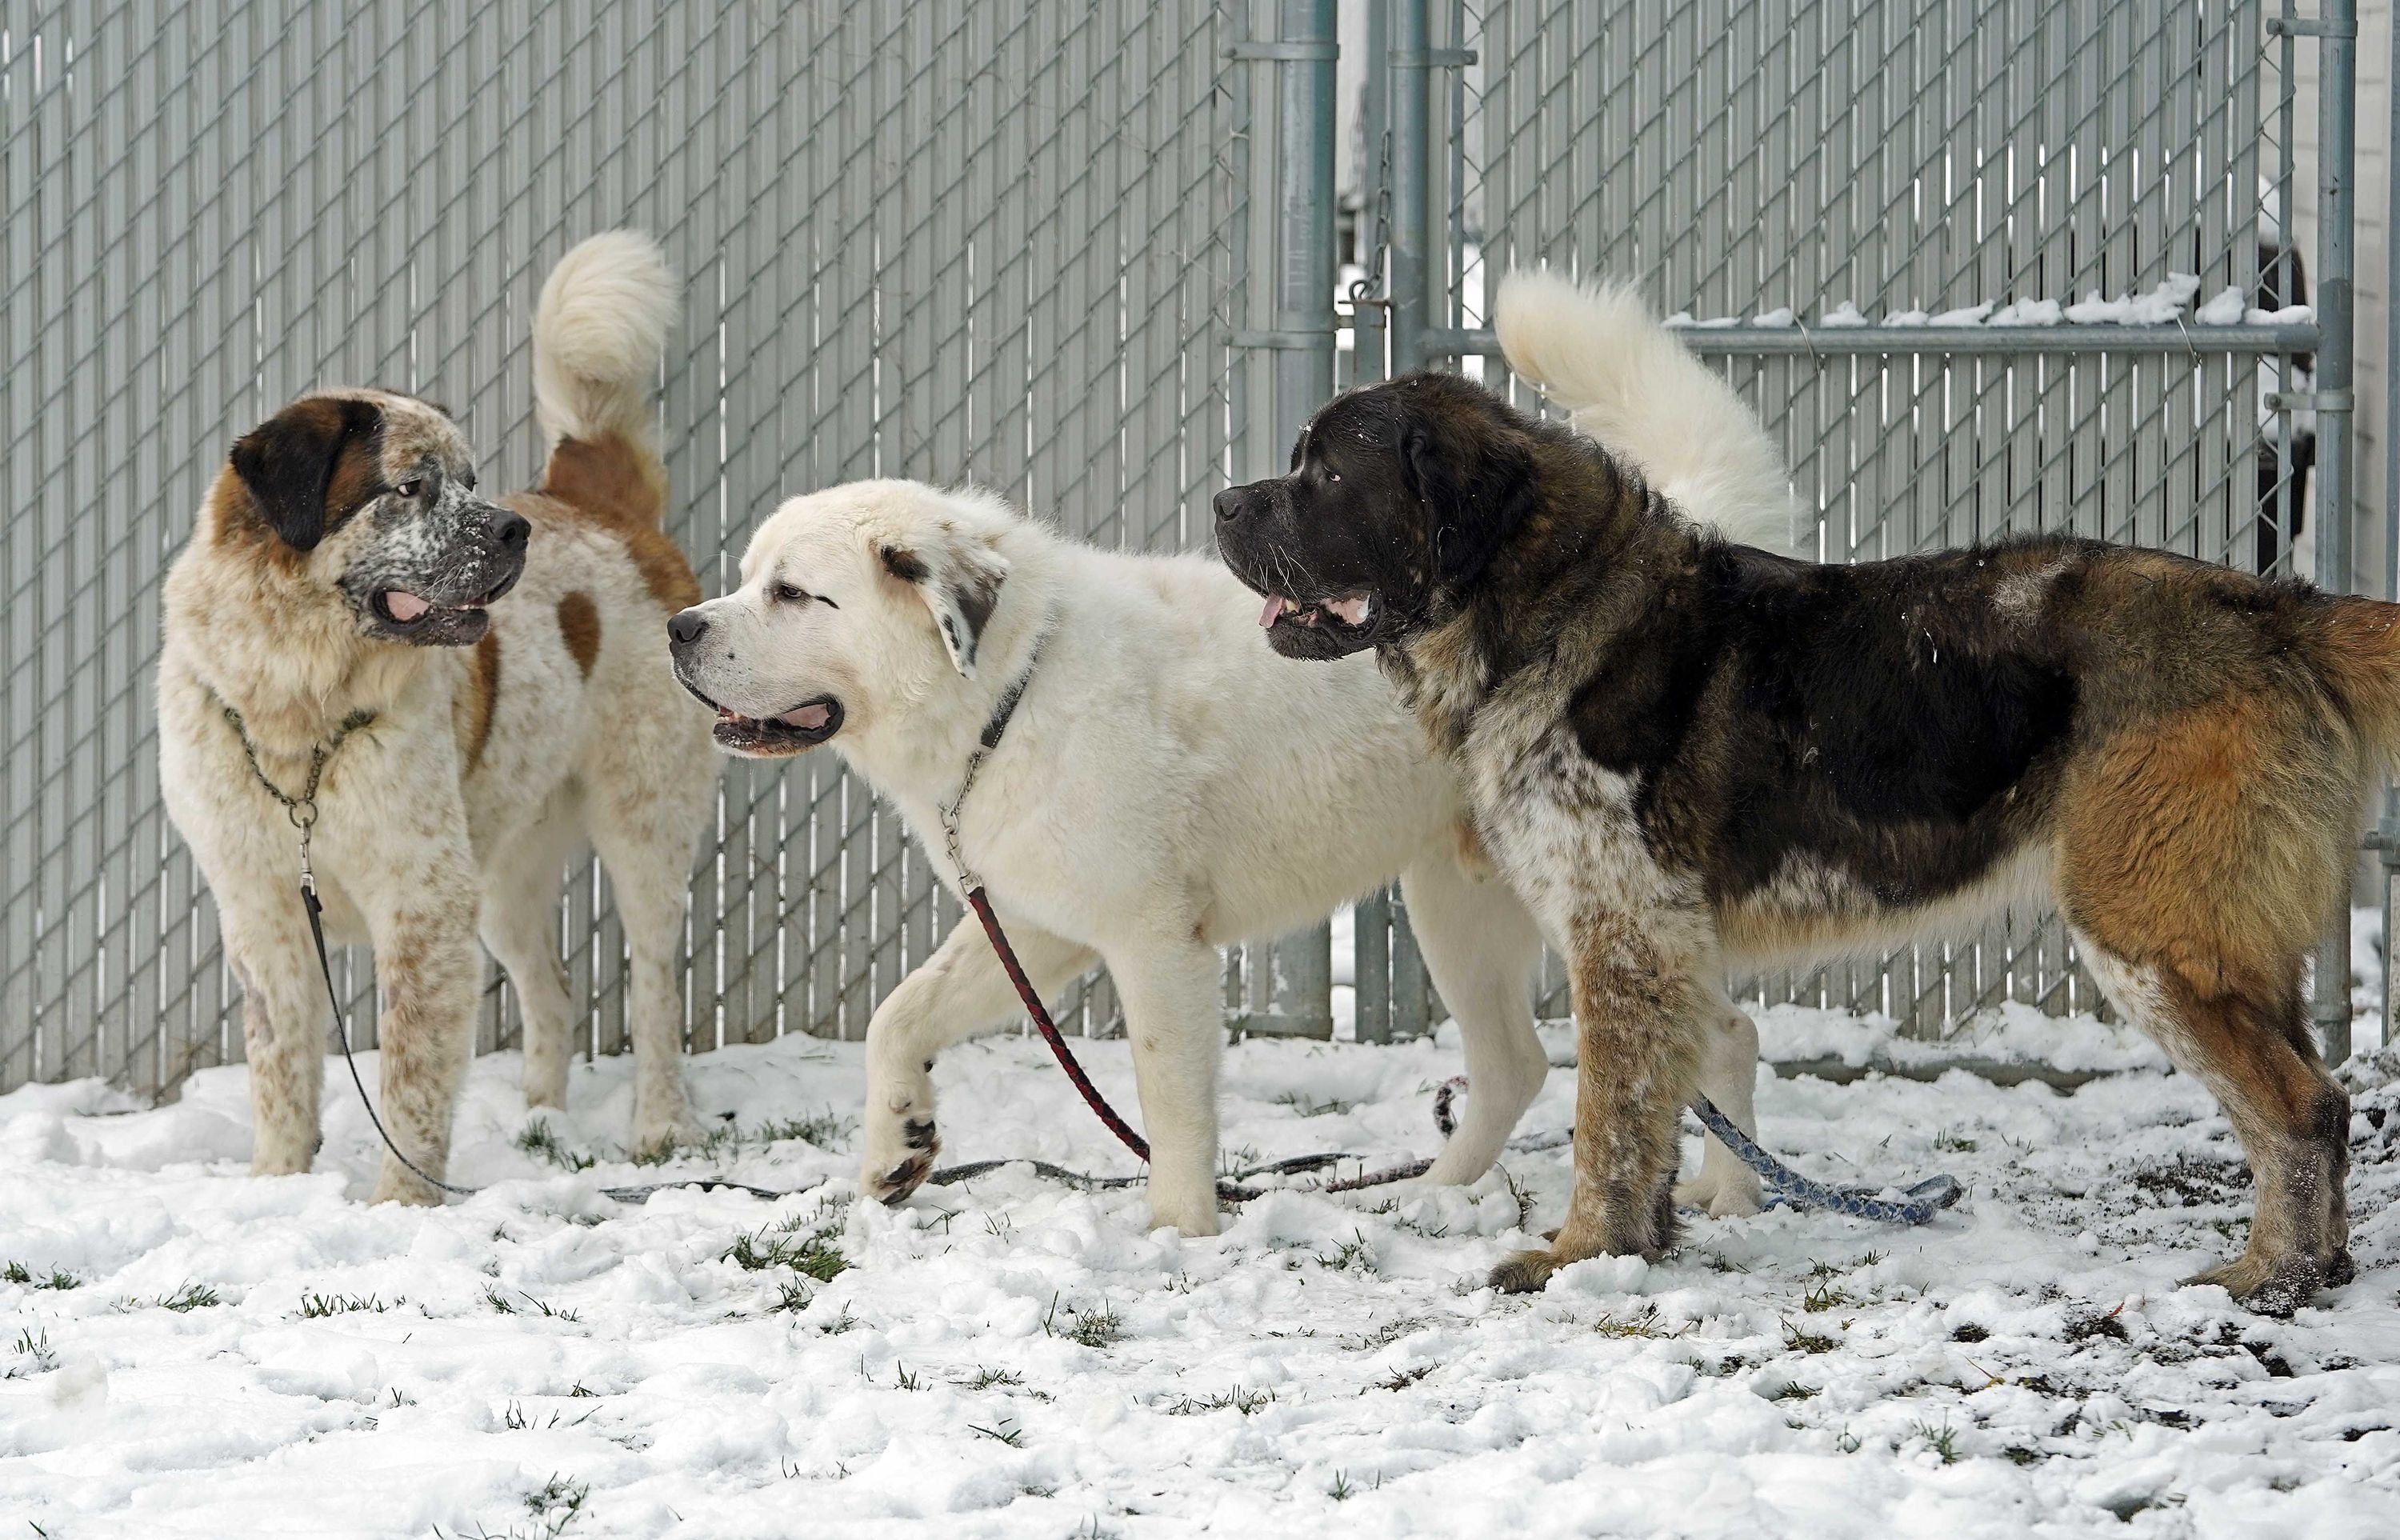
[603, 322]
[1595, 349]
[1167, 785]
[416, 852]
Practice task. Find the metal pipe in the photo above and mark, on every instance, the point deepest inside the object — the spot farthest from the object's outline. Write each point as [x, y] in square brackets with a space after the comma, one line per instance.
[1369, 319]
[2389, 847]
[1408, 63]
[1304, 275]
[2004, 341]
[2337, 170]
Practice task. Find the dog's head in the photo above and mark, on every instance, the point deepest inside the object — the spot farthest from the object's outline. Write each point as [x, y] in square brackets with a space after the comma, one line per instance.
[372, 497]
[854, 600]
[1399, 495]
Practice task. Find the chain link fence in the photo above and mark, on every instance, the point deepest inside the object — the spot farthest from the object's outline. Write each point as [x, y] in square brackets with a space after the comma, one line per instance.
[1048, 246]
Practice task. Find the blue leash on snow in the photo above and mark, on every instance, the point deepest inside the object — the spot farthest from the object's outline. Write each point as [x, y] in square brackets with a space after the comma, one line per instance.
[1922, 1202]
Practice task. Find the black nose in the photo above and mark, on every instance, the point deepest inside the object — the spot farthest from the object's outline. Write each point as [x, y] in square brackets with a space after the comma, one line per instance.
[511, 531]
[687, 627]
[1228, 504]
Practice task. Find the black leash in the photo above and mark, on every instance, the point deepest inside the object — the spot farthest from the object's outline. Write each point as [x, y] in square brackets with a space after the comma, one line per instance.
[302, 811]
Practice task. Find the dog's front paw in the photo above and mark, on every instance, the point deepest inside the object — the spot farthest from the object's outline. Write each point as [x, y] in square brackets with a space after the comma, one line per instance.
[662, 1120]
[898, 1161]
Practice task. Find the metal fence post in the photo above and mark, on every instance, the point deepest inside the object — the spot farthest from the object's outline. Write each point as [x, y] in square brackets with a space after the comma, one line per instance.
[1303, 964]
[2388, 841]
[1412, 287]
[2337, 124]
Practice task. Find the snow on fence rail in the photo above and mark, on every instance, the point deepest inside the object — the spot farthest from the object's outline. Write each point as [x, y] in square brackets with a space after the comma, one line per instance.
[1050, 246]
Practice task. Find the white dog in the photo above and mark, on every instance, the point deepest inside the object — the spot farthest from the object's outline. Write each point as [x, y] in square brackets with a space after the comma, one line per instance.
[478, 688]
[1163, 784]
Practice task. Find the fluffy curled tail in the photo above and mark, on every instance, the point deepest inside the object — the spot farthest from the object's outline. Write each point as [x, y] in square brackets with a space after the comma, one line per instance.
[598, 336]
[1596, 349]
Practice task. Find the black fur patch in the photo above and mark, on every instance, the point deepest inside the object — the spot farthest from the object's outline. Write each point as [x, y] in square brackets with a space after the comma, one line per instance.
[288, 464]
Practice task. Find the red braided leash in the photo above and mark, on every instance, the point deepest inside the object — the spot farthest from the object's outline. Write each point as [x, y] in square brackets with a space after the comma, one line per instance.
[1050, 1033]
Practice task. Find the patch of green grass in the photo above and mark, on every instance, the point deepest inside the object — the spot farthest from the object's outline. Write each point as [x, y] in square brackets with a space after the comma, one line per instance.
[1945, 1139]
[548, 1309]
[540, 1141]
[905, 1377]
[1943, 1440]
[1100, 1328]
[1798, 1340]
[36, 1351]
[191, 1296]
[557, 1505]
[57, 1277]
[1352, 1256]
[1644, 1325]
[1792, 1390]
[315, 1306]
[1309, 1107]
[815, 1255]
[839, 1325]
[498, 1301]
[1392, 1331]
[1011, 1435]
[1824, 1295]
[1232, 1162]
[1970, 1332]
[1400, 1379]
[1247, 1402]
[1342, 1491]
[823, 1129]
[985, 1378]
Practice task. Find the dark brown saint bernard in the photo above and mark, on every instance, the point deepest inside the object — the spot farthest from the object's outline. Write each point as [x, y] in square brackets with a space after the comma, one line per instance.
[1686, 753]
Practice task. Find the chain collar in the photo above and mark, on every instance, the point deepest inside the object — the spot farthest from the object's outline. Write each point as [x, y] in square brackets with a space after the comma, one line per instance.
[998, 724]
[301, 810]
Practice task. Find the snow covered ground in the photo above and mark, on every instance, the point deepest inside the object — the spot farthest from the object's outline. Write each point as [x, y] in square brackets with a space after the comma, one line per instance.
[191, 1352]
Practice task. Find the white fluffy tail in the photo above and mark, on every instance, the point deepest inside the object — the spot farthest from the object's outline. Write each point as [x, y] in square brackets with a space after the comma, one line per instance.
[598, 336]
[1597, 350]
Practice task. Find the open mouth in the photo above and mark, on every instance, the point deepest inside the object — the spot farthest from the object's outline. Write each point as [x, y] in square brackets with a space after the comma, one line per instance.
[1350, 612]
[406, 612]
[803, 727]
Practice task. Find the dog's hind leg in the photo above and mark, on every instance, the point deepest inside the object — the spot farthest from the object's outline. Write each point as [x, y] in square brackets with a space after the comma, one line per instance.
[1482, 948]
[519, 923]
[646, 847]
[1172, 1002]
[2255, 1054]
[952, 995]
[1724, 1187]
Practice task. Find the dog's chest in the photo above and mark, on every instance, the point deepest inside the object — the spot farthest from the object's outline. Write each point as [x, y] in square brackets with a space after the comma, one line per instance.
[1565, 831]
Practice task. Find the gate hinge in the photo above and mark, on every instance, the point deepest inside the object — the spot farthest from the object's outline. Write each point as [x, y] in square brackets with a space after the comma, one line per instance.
[2311, 400]
[1288, 52]
[2308, 26]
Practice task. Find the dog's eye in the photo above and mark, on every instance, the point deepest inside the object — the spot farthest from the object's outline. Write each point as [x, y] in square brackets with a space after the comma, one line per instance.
[1335, 475]
[786, 595]
[410, 488]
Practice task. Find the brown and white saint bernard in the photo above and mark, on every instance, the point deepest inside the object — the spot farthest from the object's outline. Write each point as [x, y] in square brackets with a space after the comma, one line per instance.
[502, 672]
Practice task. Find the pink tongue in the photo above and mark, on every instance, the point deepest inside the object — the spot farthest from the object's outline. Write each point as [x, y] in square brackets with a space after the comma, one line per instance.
[807, 718]
[1275, 607]
[405, 606]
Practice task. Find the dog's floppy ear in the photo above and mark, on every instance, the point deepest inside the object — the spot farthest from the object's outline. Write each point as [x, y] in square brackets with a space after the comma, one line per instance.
[958, 577]
[1474, 495]
[292, 461]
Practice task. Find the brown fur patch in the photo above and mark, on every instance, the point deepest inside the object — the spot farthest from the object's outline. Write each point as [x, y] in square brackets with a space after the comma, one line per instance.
[482, 699]
[579, 624]
[622, 488]
[2197, 842]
